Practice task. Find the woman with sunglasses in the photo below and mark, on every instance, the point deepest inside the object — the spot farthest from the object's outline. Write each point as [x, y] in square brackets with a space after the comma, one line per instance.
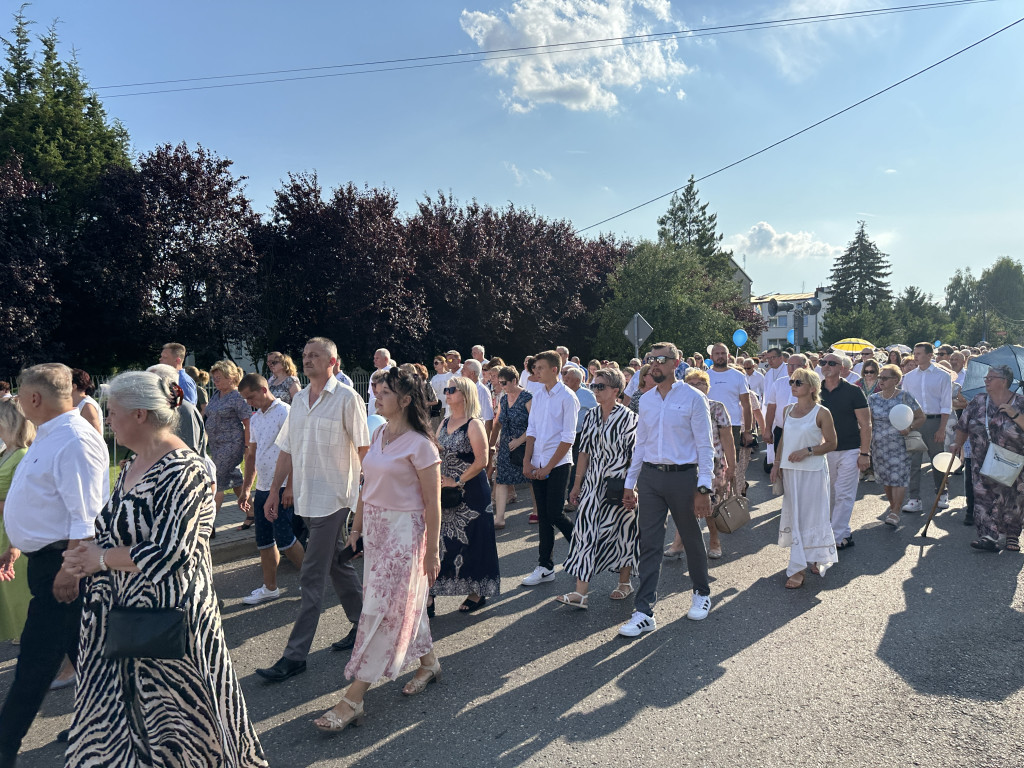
[509, 435]
[805, 526]
[282, 382]
[889, 457]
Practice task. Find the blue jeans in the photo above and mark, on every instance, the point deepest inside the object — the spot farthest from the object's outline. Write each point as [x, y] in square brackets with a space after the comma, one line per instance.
[268, 533]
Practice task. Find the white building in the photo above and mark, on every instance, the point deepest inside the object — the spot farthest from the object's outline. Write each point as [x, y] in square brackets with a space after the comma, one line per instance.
[780, 325]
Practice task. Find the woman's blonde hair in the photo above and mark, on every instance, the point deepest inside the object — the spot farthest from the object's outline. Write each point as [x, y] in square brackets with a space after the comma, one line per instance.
[468, 390]
[13, 422]
[812, 380]
[696, 374]
[198, 376]
[894, 369]
[228, 370]
[287, 363]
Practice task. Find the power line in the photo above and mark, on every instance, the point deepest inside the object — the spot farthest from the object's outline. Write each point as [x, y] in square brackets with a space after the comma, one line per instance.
[804, 130]
[500, 54]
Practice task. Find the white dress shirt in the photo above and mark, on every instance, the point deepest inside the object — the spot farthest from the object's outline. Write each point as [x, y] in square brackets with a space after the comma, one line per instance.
[323, 439]
[674, 430]
[780, 396]
[932, 388]
[552, 421]
[853, 377]
[771, 376]
[633, 385]
[961, 376]
[755, 383]
[264, 427]
[486, 403]
[60, 485]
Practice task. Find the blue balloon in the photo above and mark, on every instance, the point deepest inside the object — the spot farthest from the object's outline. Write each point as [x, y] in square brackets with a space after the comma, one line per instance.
[791, 336]
[707, 363]
[374, 421]
[938, 343]
[739, 338]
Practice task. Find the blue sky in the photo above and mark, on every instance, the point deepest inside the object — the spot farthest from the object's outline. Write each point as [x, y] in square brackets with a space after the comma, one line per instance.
[934, 167]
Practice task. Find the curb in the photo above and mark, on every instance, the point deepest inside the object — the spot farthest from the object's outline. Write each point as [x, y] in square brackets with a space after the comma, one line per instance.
[230, 551]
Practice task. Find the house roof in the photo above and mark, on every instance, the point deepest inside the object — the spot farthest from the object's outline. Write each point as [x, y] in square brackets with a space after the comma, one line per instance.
[782, 297]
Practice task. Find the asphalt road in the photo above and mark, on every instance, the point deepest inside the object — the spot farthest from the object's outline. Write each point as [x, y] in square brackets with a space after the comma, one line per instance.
[906, 653]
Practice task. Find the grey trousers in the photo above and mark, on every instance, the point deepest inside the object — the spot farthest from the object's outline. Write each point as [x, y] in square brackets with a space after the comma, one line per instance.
[916, 490]
[320, 561]
[659, 493]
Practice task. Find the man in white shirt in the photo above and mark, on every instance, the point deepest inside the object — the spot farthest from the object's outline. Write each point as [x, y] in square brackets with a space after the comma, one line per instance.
[440, 378]
[277, 533]
[729, 387]
[775, 370]
[572, 377]
[381, 362]
[775, 401]
[672, 470]
[57, 490]
[865, 354]
[848, 373]
[958, 362]
[478, 354]
[755, 379]
[322, 444]
[932, 387]
[471, 370]
[550, 434]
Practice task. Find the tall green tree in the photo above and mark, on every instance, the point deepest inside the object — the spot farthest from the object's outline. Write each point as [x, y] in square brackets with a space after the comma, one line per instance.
[689, 223]
[860, 276]
[56, 123]
[918, 317]
[1002, 296]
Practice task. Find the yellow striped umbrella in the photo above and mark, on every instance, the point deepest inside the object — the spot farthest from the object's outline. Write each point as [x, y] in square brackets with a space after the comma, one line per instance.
[852, 345]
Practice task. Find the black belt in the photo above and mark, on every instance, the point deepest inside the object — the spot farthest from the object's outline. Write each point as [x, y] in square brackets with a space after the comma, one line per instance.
[57, 546]
[934, 416]
[670, 467]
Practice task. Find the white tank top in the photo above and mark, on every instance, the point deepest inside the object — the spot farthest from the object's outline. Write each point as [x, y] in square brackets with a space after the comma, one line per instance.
[89, 401]
[799, 434]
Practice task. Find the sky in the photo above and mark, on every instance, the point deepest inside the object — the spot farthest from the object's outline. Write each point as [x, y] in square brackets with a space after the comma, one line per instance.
[933, 166]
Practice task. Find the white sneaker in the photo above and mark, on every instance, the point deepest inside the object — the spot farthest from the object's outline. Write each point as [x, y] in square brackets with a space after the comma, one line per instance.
[913, 505]
[944, 501]
[637, 625]
[699, 607]
[261, 595]
[540, 573]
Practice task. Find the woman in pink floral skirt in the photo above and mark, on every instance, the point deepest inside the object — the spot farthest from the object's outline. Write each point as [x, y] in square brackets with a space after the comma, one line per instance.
[398, 517]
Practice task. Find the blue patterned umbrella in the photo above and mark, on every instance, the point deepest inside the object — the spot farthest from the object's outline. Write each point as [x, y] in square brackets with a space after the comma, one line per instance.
[978, 367]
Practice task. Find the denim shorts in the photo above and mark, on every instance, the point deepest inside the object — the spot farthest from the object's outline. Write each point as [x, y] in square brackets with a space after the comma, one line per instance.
[268, 533]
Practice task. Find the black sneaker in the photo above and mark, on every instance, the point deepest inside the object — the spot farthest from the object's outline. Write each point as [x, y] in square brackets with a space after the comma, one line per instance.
[348, 641]
[281, 671]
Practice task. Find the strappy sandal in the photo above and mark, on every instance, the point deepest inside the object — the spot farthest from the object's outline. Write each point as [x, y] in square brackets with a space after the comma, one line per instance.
[419, 684]
[795, 581]
[813, 568]
[1012, 544]
[985, 543]
[329, 722]
[892, 519]
[250, 521]
[566, 599]
[468, 606]
[621, 592]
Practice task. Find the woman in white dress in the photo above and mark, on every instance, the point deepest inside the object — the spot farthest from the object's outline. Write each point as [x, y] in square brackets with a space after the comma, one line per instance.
[808, 433]
[82, 390]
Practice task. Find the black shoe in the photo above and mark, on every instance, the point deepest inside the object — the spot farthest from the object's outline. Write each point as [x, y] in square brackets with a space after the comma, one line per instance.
[968, 519]
[281, 671]
[348, 641]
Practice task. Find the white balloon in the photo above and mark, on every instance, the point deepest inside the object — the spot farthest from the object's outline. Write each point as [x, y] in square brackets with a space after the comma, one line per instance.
[901, 416]
[376, 420]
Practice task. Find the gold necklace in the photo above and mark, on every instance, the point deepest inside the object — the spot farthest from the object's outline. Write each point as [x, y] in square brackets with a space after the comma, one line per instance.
[388, 440]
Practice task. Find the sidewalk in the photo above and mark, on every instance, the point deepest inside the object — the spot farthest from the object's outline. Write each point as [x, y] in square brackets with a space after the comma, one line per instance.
[231, 543]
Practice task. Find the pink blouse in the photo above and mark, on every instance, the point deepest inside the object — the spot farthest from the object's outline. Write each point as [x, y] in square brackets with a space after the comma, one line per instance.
[389, 472]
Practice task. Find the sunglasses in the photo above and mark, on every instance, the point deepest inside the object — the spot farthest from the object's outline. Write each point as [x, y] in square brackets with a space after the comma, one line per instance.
[659, 359]
[870, 372]
[796, 383]
[831, 362]
[599, 387]
[504, 382]
[450, 390]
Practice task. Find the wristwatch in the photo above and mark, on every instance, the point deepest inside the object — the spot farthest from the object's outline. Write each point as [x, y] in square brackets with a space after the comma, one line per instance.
[703, 490]
[103, 560]
[810, 451]
[460, 484]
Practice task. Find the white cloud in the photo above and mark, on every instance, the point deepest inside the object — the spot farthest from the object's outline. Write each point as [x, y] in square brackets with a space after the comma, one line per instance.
[582, 79]
[801, 49]
[890, 170]
[680, 94]
[518, 175]
[762, 242]
[543, 174]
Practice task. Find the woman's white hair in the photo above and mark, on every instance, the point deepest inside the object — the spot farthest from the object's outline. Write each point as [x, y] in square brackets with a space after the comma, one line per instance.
[145, 391]
[164, 371]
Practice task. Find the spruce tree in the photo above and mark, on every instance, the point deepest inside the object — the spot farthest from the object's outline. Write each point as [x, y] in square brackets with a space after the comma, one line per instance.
[860, 276]
[688, 223]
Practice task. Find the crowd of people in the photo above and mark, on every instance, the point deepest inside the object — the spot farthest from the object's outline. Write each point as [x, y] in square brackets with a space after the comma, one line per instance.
[416, 477]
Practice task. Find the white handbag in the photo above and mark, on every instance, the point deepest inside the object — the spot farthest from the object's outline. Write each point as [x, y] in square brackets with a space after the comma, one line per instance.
[1000, 465]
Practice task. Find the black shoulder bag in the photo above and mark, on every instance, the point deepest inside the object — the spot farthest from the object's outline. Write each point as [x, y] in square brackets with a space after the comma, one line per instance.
[147, 633]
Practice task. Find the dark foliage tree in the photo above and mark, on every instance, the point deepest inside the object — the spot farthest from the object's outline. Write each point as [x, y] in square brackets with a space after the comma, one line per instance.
[28, 311]
[859, 277]
[918, 317]
[202, 262]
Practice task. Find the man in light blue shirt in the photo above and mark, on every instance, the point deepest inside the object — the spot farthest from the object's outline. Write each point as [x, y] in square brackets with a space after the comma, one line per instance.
[173, 354]
[572, 377]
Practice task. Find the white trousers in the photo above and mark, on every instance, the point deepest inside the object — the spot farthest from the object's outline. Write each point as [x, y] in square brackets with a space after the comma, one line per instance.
[843, 476]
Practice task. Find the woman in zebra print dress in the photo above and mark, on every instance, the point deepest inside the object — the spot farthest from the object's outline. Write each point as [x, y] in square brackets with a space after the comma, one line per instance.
[606, 536]
[151, 538]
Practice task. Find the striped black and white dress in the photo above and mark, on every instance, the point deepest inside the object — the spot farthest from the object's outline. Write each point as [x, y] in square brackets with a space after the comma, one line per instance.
[158, 712]
[606, 536]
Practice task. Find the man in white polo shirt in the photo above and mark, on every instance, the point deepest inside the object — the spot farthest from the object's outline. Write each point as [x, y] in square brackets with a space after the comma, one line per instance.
[550, 433]
[272, 534]
[729, 387]
[932, 387]
[57, 490]
[322, 445]
[471, 370]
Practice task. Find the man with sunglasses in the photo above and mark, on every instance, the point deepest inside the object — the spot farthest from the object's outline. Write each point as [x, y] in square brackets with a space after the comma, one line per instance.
[852, 418]
[671, 471]
[868, 353]
[755, 379]
[932, 387]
